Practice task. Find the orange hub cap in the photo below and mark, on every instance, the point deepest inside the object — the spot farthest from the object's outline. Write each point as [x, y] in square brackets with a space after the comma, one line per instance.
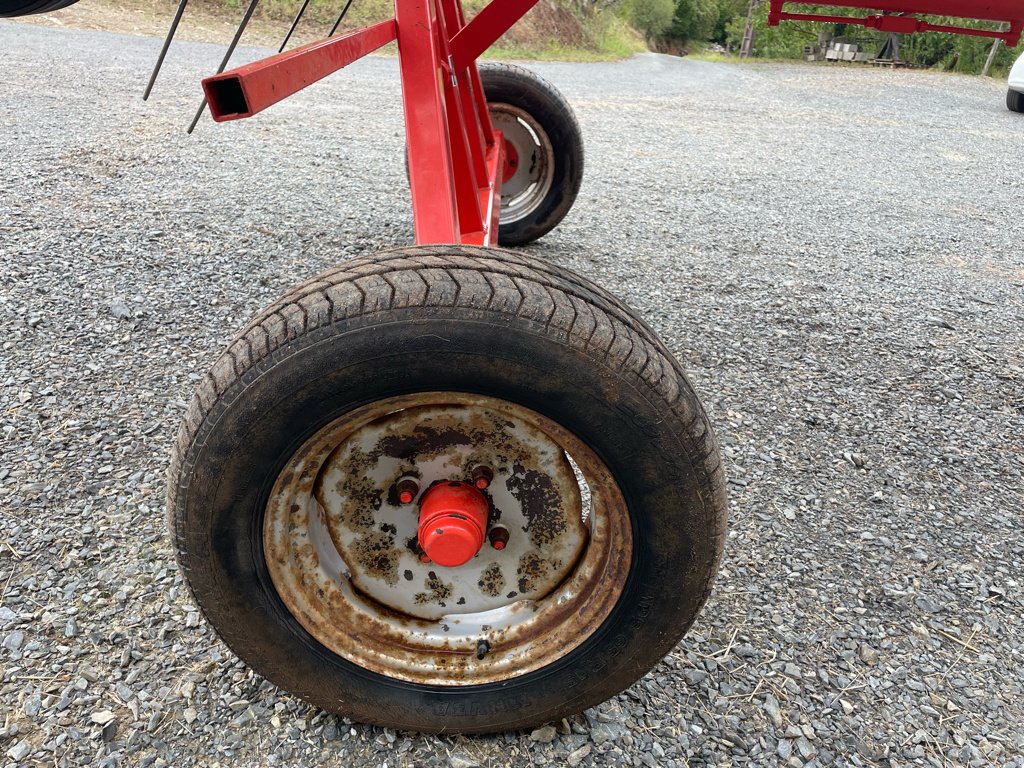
[453, 523]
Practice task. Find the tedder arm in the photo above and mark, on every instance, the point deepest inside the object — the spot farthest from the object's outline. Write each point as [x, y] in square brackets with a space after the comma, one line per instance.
[1011, 12]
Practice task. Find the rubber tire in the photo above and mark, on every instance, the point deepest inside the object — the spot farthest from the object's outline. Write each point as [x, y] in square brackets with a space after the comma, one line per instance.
[450, 318]
[519, 87]
[1014, 101]
[12, 8]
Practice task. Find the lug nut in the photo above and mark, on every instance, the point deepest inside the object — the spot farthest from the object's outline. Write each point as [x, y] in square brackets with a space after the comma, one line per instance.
[482, 648]
[498, 536]
[407, 489]
[482, 476]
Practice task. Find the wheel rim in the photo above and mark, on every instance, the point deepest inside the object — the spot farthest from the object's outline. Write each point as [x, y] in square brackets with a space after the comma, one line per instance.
[337, 541]
[524, 190]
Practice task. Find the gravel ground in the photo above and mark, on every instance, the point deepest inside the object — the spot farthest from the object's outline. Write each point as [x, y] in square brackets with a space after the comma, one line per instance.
[833, 252]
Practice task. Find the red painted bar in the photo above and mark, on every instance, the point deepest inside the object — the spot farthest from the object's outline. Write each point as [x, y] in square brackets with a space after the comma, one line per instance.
[427, 133]
[493, 21]
[249, 89]
[1009, 11]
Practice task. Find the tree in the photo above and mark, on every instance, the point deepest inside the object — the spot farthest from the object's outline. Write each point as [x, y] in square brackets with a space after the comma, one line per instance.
[651, 17]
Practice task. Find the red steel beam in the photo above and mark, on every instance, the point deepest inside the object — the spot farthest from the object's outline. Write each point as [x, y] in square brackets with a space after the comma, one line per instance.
[493, 21]
[249, 89]
[432, 180]
[1009, 11]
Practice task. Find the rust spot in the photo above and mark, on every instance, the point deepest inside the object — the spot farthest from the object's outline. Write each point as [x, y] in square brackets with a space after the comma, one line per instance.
[532, 568]
[363, 498]
[437, 591]
[423, 440]
[492, 581]
[541, 504]
[377, 556]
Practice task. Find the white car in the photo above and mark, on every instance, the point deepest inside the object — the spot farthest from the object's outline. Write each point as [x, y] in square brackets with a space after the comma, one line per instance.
[1015, 96]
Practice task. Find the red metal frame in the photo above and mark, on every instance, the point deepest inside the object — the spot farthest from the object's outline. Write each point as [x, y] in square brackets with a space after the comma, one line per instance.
[1009, 11]
[456, 158]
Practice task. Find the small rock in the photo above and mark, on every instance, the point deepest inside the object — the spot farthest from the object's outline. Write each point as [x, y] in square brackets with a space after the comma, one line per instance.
[771, 708]
[544, 735]
[459, 760]
[102, 717]
[603, 732]
[806, 749]
[119, 309]
[745, 651]
[695, 676]
[868, 654]
[243, 719]
[576, 756]
[32, 705]
[784, 749]
[20, 750]
[14, 640]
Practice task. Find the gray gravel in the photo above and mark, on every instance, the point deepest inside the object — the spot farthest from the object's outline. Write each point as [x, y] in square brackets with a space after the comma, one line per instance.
[834, 253]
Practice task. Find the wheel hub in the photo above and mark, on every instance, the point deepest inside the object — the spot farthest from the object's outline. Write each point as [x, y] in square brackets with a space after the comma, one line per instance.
[383, 543]
[453, 520]
[530, 161]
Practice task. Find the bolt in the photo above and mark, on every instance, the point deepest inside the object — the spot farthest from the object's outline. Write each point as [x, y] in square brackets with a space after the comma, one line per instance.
[482, 647]
[407, 489]
[482, 476]
[498, 536]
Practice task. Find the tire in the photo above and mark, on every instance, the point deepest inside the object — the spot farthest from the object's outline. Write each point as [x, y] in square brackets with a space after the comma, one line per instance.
[447, 329]
[541, 126]
[1014, 101]
[10, 8]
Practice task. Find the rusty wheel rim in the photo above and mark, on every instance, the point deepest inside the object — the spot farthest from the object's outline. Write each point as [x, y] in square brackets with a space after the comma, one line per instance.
[337, 545]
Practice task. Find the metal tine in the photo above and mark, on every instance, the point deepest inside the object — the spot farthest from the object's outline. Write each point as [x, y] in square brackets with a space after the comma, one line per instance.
[227, 56]
[163, 51]
[342, 16]
[295, 23]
